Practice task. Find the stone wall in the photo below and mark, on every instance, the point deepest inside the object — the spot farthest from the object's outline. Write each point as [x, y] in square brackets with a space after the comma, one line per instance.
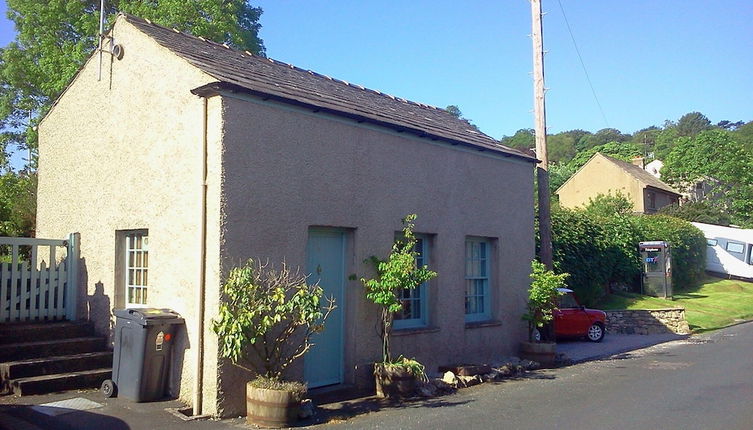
[656, 321]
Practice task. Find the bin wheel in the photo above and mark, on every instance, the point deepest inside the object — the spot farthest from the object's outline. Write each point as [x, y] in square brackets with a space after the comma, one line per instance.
[108, 388]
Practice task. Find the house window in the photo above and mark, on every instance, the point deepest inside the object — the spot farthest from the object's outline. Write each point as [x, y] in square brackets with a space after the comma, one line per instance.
[735, 247]
[137, 268]
[415, 301]
[651, 199]
[477, 276]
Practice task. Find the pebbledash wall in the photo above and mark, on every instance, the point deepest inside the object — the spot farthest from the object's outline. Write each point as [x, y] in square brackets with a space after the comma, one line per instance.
[287, 170]
[125, 153]
[655, 321]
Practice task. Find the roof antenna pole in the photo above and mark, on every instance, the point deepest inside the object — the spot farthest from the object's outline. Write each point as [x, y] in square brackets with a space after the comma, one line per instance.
[101, 36]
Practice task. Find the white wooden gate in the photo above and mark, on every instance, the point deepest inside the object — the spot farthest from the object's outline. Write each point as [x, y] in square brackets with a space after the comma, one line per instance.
[38, 279]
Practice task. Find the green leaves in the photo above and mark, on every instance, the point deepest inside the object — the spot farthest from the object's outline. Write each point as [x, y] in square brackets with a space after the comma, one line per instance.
[542, 296]
[726, 166]
[268, 317]
[55, 37]
[399, 271]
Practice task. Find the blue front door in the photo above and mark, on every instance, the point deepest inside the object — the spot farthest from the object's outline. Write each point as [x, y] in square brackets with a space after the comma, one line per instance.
[325, 254]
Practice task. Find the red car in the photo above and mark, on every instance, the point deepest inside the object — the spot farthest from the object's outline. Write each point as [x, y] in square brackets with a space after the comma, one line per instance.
[571, 319]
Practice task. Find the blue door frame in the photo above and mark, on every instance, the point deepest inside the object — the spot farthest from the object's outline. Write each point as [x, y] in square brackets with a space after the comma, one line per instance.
[325, 264]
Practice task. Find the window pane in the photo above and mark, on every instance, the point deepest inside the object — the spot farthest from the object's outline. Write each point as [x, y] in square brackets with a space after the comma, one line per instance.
[735, 247]
[146, 258]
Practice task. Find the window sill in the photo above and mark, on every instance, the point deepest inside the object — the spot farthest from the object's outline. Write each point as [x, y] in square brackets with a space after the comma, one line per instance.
[480, 324]
[414, 330]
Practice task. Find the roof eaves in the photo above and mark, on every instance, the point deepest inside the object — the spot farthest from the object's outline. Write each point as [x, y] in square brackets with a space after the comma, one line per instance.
[216, 88]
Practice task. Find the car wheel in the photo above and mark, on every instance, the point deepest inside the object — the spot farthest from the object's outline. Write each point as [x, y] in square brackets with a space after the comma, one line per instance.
[595, 332]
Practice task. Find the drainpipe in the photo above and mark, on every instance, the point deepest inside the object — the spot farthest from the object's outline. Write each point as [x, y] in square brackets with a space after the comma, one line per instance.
[200, 296]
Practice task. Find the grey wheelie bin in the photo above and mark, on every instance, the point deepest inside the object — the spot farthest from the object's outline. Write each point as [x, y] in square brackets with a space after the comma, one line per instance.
[141, 354]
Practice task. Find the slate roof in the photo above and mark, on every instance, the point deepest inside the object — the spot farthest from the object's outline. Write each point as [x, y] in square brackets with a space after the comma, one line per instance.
[641, 175]
[242, 71]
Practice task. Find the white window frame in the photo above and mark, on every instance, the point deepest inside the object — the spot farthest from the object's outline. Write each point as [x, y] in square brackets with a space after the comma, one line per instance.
[418, 295]
[136, 264]
[478, 271]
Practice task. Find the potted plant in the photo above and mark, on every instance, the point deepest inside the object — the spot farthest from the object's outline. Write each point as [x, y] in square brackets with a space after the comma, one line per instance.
[542, 301]
[265, 323]
[397, 272]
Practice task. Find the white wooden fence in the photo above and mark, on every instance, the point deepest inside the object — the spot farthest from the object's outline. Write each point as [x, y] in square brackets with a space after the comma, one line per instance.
[37, 284]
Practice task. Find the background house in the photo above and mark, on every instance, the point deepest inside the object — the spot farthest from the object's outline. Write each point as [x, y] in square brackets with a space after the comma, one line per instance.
[188, 157]
[603, 175]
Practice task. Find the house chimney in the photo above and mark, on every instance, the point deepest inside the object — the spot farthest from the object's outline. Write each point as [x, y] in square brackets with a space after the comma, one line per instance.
[638, 161]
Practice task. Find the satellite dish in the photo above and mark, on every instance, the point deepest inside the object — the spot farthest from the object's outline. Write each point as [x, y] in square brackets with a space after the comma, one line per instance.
[117, 51]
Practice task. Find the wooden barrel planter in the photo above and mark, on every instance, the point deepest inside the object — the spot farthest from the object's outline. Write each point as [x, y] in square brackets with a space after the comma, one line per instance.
[271, 408]
[393, 382]
[541, 352]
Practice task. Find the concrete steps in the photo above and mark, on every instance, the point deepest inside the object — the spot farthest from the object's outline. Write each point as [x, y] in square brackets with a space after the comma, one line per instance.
[50, 357]
[60, 382]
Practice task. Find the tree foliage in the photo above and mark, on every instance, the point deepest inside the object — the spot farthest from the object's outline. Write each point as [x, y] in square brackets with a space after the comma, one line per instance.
[522, 139]
[542, 296]
[714, 156]
[56, 36]
[692, 123]
[395, 273]
[268, 317]
[701, 211]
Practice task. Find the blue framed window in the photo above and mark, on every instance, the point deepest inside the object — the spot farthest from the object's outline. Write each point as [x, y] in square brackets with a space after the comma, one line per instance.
[415, 302]
[477, 277]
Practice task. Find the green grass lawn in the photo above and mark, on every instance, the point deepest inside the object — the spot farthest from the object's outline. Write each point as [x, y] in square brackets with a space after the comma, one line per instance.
[714, 304]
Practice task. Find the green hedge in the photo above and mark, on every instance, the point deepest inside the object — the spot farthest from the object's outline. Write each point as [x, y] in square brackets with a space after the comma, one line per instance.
[600, 252]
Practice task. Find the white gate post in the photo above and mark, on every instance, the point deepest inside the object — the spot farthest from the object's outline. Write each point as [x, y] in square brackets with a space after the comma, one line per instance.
[71, 298]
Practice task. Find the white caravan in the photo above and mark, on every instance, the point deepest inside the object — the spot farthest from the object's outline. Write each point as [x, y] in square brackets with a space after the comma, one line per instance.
[729, 250]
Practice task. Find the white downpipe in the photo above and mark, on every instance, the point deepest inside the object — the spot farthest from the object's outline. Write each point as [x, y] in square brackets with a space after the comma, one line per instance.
[198, 399]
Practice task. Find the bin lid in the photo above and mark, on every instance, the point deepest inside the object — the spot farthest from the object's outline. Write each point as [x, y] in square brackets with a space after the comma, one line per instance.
[145, 316]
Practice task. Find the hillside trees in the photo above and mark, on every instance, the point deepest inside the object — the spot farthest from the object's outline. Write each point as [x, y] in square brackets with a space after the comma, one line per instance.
[716, 157]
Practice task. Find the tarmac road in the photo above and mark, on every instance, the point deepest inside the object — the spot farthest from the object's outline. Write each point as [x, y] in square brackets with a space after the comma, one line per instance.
[703, 382]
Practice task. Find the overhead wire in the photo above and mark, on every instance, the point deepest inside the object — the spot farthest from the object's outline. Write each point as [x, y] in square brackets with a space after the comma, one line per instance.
[583, 64]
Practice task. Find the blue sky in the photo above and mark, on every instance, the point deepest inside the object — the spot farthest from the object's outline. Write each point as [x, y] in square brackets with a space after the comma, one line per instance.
[648, 60]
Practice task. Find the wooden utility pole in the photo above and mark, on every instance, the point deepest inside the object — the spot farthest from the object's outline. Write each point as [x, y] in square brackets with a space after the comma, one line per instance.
[539, 112]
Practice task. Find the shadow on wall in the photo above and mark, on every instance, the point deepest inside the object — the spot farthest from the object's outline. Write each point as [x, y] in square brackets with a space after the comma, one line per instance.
[97, 307]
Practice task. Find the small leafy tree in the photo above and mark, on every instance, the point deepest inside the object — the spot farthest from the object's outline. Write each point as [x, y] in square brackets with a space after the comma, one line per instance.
[268, 317]
[398, 272]
[542, 297]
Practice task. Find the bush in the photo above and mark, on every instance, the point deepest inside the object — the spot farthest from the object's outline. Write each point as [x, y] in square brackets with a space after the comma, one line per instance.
[704, 212]
[580, 249]
[601, 251]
